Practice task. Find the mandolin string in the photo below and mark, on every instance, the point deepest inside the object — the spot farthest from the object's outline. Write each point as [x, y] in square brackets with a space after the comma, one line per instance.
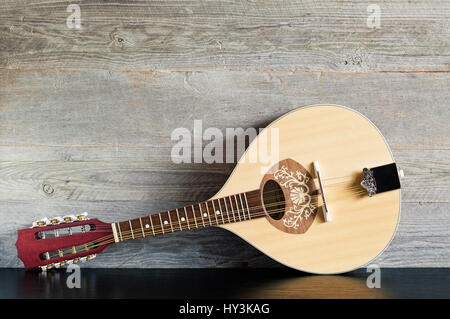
[219, 186]
[126, 235]
[160, 229]
[102, 228]
[176, 227]
[319, 196]
[356, 190]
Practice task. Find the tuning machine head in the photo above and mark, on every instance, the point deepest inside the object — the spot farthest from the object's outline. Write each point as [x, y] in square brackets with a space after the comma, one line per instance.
[41, 222]
[55, 220]
[58, 220]
[68, 262]
[69, 218]
[82, 216]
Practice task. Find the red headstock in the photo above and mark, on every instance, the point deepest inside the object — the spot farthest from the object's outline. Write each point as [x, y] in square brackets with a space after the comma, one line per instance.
[60, 241]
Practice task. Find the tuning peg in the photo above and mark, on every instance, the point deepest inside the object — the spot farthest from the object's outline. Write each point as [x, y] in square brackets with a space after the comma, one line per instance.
[82, 216]
[41, 223]
[68, 262]
[56, 220]
[69, 218]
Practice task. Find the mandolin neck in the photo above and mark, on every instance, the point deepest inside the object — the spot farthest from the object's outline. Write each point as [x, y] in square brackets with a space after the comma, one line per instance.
[234, 208]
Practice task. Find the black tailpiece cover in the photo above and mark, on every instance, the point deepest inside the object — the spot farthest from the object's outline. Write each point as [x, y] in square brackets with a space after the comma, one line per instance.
[386, 177]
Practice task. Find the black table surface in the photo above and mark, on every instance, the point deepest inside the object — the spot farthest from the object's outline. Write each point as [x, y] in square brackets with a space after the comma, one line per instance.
[224, 283]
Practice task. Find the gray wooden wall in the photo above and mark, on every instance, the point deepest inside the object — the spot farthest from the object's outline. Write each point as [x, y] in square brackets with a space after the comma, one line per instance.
[86, 115]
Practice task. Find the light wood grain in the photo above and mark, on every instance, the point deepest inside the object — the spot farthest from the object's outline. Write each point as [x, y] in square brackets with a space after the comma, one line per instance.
[343, 142]
[231, 35]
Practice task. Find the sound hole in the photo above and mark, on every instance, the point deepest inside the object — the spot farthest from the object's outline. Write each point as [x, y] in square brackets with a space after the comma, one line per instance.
[273, 199]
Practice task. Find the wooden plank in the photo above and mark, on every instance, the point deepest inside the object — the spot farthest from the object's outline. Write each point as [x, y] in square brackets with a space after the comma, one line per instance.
[83, 138]
[110, 181]
[85, 115]
[317, 35]
[427, 175]
[108, 136]
[422, 239]
[425, 181]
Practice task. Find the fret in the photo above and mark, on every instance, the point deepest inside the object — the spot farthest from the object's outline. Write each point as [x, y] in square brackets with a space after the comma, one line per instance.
[135, 223]
[216, 212]
[173, 217]
[219, 210]
[170, 221]
[195, 217]
[242, 205]
[187, 218]
[226, 209]
[151, 224]
[232, 210]
[209, 214]
[142, 228]
[146, 224]
[179, 221]
[166, 221]
[120, 231]
[161, 222]
[246, 204]
[201, 214]
[131, 229]
[125, 229]
[237, 207]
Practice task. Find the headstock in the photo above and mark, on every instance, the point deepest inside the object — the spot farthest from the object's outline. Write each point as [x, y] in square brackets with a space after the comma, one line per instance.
[60, 241]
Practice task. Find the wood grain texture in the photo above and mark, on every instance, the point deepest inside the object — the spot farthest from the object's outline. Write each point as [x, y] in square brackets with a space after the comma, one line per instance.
[419, 241]
[89, 112]
[231, 35]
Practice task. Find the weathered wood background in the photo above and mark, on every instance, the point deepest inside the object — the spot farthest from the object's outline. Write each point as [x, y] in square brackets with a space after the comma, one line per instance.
[86, 115]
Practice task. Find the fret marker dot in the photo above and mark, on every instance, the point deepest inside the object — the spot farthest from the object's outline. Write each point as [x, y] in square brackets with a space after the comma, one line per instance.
[147, 226]
[204, 214]
[182, 219]
[166, 222]
[217, 212]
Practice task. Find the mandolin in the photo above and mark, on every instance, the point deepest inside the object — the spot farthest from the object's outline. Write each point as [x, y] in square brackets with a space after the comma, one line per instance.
[328, 204]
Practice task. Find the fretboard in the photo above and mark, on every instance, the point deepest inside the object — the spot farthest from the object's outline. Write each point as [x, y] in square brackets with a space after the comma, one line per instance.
[231, 209]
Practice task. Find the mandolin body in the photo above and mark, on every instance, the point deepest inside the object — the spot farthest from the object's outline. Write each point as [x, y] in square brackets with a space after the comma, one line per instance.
[343, 142]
